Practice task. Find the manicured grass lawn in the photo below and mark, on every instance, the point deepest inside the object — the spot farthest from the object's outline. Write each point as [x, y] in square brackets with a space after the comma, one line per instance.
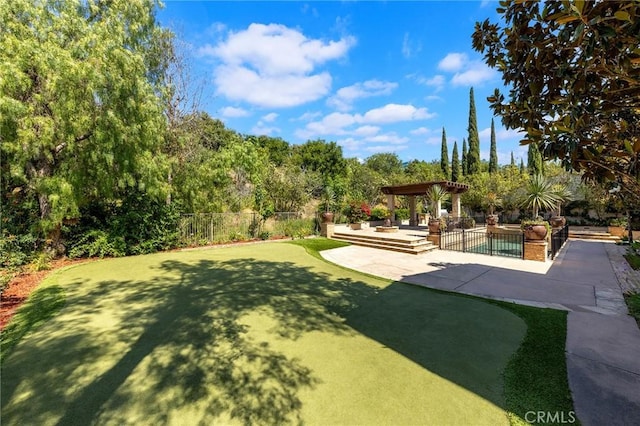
[269, 334]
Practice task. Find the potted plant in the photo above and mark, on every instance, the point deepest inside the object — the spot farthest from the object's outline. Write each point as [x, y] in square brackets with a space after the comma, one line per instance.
[492, 201]
[436, 194]
[328, 198]
[357, 212]
[540, 194]
[535, 229]
[563, 195]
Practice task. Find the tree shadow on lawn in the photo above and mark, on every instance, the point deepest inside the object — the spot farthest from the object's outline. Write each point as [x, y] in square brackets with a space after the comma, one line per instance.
[178, 342]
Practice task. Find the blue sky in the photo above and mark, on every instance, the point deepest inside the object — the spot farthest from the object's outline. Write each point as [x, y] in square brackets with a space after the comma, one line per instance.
[371, 76]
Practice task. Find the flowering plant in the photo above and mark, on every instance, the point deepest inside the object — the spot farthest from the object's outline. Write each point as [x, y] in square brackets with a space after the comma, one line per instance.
[357, 212]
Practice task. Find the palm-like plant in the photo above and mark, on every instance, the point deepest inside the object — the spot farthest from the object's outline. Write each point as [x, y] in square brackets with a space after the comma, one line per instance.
[436, 194]
[492, 201]
[540, 194]
[563, 194]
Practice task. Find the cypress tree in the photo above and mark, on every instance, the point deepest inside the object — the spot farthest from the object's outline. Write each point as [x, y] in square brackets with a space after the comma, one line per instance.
[493, 156]
[463, 164]
[473, 157]
[444, 155]
[513, 160]
[521, 166]
[534, 160]
[456, 169]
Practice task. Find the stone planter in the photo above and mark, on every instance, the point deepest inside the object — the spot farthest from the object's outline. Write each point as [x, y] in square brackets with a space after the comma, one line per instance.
[535, 232]
[434, 226]
[327, 217]
[558, 221]
[356, 226]
[616, 231]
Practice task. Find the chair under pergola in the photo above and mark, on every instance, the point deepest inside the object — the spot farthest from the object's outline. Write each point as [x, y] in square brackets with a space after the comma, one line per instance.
[414, 190]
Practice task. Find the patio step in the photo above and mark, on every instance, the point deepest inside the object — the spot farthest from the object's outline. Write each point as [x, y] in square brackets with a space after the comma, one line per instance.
[413, 246]
[591, 235]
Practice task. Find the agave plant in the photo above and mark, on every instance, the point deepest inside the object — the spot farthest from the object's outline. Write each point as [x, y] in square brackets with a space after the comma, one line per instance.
[563, 194]
[540, 195]
[435, 195]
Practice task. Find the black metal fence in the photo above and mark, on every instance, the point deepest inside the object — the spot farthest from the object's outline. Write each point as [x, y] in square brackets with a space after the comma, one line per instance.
[484, 242]
[558, 239]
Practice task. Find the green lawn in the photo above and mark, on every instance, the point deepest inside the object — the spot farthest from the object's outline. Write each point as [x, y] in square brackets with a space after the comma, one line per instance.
[269, 334]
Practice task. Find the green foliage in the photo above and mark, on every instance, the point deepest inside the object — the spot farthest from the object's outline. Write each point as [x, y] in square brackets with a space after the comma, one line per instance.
[456, 168]
[619, 221]
[465, 158]
[493, 155]
[379, 212]
[357, 211]
[387, 164]
[79, 108]
[295, 228]
[539, 194]
[535, 164]
[42, 261]
[473, 156]
[16, 250]
[436, 194]
[528, 223]
[444, 156]
[98, 243]
[586, 115]
[633, 300]
[402, 214]
[320, 156]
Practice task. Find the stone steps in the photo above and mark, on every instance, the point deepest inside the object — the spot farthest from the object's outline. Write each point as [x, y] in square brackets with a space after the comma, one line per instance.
[412, 246]
[590, 235]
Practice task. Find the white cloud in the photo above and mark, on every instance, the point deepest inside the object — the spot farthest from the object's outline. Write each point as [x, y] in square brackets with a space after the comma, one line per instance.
[345, 96]
[453, 62]
[420, 131]
[385, 148]
[408, 48]
[476, 73]
[350, 144]
[392, 113]
[270, 117]
[390, 137]
[366, 130]
[502, 134]
[273, 65]
[308, 116]
[467, 72]
[233, 112]
[337, 123]
[434, 140]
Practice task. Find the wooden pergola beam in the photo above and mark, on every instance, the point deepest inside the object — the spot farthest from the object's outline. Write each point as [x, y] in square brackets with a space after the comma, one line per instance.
[422, 188]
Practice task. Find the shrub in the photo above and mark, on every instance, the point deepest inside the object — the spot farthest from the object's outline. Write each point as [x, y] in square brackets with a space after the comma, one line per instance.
[98, 243]
[402, 214]
[16, 250]
[467, 223]
[295, 228]
[357, 211]
[379, 212]
[618, 221]
[264, 235]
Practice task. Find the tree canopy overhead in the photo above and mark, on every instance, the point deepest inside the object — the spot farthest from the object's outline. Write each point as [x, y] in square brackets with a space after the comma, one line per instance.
[573, 68]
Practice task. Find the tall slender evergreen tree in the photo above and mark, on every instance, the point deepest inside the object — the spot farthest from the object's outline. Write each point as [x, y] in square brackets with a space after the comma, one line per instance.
[464, 163]
[456, 169]
[513, 160]
[522, 169]
[534, 161]
[493, 156]
[473, 157]
[444, 155]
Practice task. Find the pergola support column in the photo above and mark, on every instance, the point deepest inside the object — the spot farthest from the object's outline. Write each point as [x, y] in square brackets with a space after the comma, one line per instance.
[391, 205]
[455, 204]
[413, 218]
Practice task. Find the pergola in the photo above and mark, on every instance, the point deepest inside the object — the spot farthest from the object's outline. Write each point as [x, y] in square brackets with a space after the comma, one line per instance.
[413, 189]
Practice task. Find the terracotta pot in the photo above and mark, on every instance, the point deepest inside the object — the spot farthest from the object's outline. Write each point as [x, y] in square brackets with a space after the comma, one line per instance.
[558, 221]
[434, 226]
[327, 217]
[535, 232]
[356, 226]
[492, 219]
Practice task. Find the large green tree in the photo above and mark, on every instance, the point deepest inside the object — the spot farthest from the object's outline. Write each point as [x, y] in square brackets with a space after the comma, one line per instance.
[444, 155]
[473, 156]
[320, 156]
[535, 165]
[573, 68]
[493, 154]
[456, 170]
[465, 156]
[80, 112]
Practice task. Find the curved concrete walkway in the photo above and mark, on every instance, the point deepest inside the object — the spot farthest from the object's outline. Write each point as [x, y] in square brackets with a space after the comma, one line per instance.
[603, 342]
